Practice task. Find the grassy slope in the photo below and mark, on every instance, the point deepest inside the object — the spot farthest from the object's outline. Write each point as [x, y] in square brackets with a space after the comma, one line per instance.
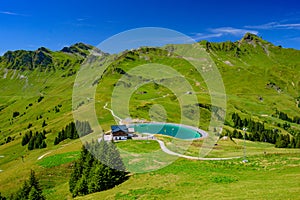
[264, 177]
[16, 95]
[251, 72]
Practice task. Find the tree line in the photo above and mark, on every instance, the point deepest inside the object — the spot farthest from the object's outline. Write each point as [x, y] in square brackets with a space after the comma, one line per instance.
[283, 116]
[258, 132]
[34, 141]
[73, 131]
[8, 139]
[99, 168]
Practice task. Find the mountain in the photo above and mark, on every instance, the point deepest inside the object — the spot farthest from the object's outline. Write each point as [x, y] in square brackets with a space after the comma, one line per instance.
[45, 59]
[262, 83]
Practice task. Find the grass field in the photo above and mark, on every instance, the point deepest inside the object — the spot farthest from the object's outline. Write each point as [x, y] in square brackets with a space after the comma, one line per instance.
[273, 176]
[271, 173]
[59, 159]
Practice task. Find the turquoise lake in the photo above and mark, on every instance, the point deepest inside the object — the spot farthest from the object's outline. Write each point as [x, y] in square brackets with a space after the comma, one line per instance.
[178, 131]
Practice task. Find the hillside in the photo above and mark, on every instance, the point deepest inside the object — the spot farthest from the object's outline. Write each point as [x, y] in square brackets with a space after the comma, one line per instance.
[261, 83]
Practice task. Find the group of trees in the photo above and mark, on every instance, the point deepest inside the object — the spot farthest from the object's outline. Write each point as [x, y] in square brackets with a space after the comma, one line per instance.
[99, 168]
[285, 117]
[7, 140]
[258, 132]
[73, 131]
[34, 141]
[57, 108]
[30, 190]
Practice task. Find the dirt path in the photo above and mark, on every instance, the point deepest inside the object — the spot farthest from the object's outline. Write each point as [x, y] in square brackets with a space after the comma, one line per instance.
[42, 156]
[168, 151]
[62, 146]
[113, 114]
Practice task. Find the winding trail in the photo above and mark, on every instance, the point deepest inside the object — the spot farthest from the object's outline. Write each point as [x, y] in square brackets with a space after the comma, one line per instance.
[113, 114]
[168, 151]
[62, 146]
[172, 153]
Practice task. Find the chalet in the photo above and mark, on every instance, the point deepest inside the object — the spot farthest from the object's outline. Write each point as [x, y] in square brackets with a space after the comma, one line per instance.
[121, 132]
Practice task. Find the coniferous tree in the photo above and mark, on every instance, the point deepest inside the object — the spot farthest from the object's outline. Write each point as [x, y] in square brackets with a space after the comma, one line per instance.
[76, 174]
[31, 144]
[94, 175]
[33, 194]
[56, 141]
[25, 139]
[44, 124]
[30, 189]
[74, 131]
[43, 145]
[81, 187]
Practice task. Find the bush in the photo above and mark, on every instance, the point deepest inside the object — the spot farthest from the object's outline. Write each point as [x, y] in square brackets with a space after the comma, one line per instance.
[40, 99]
[16, 114]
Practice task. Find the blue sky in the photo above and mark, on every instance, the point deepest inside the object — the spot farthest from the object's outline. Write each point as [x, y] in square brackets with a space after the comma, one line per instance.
[55, 24]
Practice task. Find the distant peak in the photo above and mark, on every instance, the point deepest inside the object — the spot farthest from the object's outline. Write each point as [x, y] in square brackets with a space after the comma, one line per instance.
[78, 48]
[43, 49]
[82, 46]
[250, 37]
[255, 40]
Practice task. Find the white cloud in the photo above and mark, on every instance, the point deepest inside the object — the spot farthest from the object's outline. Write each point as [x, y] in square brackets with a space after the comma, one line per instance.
[7, 13]
[275, 25]
[222, 31]
[202, 36]
[289, 26]
[11, 13]
[232, 31]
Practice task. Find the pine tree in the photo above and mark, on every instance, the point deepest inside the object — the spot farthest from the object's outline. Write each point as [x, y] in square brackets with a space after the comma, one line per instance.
[114, 159]
[31, 144]
[96, 178]
[44, 124]
[25, 139]
[33, 194]
[33, 182]
[43, 145]
[75, 176]
[91, 175]
[56, 141]
[30, 189]
[81, 187]
[24, 192]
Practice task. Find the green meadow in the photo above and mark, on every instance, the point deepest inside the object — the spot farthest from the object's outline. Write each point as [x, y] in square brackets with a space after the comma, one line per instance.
[259, 79]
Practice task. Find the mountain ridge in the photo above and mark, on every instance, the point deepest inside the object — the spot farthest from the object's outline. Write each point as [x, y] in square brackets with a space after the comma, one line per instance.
[43, 57]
